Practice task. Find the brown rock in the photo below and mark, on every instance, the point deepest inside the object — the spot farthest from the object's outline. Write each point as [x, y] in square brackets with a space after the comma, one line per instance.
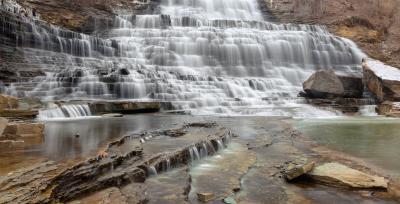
[3, 125]
[8, 102]
[14, 130]
[389, 108]
[298, 171]
[15, 113]
[205, 197]
[335, 174]
[382, 80]
[353, 85]
[328, 84]
[324, 84]
[124, 107]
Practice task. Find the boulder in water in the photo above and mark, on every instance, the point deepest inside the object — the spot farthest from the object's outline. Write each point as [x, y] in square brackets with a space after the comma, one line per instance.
[382, 80]
[324, 84]
[353, 85]
[339, 175]
[328, 84]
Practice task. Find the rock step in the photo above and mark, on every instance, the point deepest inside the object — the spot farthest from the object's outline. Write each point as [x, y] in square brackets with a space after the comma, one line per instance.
[124, 161]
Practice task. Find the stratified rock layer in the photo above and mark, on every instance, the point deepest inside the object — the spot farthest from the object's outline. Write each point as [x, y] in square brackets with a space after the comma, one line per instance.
[126, 161]
[382, 80]
[336, 174]
[389, 108]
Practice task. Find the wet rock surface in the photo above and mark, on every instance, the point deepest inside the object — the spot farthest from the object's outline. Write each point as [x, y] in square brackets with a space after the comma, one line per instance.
[124, 161]
[296, 171]
[17, 130]
[124, 107]
[167, 169]
[336, 174]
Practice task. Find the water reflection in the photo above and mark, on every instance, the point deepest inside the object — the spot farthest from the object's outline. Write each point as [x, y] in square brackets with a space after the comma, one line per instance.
[376, 140]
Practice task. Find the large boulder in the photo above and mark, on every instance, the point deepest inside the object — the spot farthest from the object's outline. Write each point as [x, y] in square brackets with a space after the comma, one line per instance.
[353, 85]
[382, 80]
[328, 84]
[335, 174]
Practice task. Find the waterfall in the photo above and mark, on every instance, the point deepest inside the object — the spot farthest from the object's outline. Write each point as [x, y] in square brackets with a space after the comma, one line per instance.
[152, 171]
[220, 145]
[203, 150]
[203, 56]
[65, 111]
[368, 110]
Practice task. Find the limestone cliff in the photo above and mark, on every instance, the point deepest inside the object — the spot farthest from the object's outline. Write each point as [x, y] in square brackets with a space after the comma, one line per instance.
[373, 24]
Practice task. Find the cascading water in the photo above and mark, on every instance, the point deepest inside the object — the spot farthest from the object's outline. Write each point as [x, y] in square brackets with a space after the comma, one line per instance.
[65, 111]
[220, 145]
[206, 56]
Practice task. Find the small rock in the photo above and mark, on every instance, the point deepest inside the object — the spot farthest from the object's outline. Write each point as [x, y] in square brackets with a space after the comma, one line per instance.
[298, 170]
[205, 197]
[229, 200]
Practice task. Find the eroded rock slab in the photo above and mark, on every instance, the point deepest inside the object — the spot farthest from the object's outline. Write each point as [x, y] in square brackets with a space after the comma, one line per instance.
[221, 175]
[336, 174]
[125, 161]
[382, 80]
[28, 185]
[124, 107]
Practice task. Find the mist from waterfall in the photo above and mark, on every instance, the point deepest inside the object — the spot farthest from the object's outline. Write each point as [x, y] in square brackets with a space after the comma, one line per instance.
[204, 56]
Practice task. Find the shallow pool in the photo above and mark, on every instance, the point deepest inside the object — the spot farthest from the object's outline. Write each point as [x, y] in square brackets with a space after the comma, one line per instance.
[374, 139]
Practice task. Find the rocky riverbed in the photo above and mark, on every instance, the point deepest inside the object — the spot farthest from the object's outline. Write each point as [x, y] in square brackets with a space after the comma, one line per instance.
[236, 159]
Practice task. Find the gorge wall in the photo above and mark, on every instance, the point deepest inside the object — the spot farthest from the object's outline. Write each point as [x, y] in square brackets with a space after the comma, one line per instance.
[373, 24]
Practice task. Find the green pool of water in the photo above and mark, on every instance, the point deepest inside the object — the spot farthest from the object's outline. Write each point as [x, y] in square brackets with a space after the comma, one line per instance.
[374, 139]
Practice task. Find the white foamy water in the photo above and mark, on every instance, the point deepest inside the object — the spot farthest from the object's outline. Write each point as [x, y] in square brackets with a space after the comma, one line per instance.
[205, 56]
[65, 111]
